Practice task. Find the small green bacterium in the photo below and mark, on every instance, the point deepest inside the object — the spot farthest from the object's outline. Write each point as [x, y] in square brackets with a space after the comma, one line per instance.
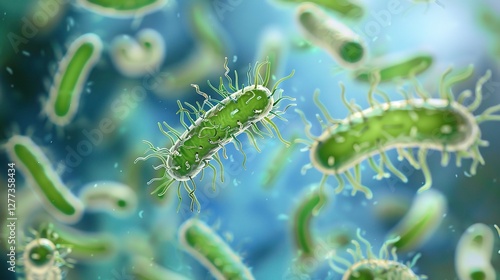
[113, 197]
[84, 246]
[344, 8]
[345, 46]
[391, 69]
[443, 124]
[64, 96]
[424, 217]
[210, 130]
[302, 232]
[211, 251]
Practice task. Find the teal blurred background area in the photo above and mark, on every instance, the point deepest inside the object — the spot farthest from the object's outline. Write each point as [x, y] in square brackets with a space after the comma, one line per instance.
[254, 218]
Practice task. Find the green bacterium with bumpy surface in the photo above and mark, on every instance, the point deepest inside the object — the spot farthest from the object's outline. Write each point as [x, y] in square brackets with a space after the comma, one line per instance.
[64, 96]
[372, 267]
[345, 46]
[210, 130]
[44, 180]
[209, 249]
[444, 124]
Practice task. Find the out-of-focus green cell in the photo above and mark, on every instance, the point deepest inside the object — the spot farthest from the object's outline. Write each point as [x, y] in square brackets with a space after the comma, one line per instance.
[346, 47]
[344, 8]
[135, 57]
[212, 47]
[71, 76]
[84, 246]
[301, 228]
[372, 266]
[390, 208]
[491, 22]
[277, 162]
[40, 260]
[123, 8]
[473, 254]
[207, 31]
[401, 69]
[112, 197]
[144, 269]
[43, 179]
[272, 49]
[43, 256]
[203, 243]
[418, 225]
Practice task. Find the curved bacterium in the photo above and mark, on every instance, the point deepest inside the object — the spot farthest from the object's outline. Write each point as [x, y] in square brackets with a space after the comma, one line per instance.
[345, 46]
[391, 68]
[344, 8]
[113, 197]
[444, 124]
[473, 254]
[35, 166]
[302, 232]
[210, 130]
[421, 221]
[123, 8]
[64, 95]
[371, 266]
[201, 242]
[134, 57]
